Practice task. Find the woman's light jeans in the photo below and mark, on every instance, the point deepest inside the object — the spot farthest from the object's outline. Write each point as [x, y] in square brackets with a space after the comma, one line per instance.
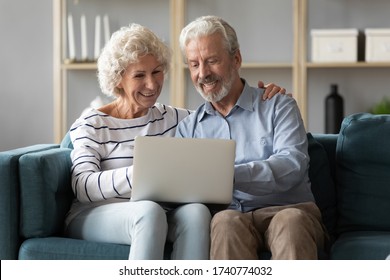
[146, 226]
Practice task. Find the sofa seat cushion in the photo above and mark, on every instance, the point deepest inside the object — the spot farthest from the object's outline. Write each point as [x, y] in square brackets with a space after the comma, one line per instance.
[361, 245]
[58, 248]
[363, 173]
[62, 248]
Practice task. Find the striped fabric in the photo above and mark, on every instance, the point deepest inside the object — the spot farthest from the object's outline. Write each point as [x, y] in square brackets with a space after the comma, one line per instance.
[103, 152]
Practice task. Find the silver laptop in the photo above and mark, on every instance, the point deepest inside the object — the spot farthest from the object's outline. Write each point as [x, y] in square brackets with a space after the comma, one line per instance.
[183, 170]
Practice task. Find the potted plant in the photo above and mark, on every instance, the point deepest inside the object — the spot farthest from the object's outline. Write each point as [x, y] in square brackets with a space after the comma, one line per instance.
[383, 107]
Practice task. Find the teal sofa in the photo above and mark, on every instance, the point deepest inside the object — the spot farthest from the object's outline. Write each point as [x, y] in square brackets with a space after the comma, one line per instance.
[350, 174]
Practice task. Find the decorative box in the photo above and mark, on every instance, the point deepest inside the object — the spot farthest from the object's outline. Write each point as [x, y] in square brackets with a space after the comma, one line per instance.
[334, 45]
[377, 44]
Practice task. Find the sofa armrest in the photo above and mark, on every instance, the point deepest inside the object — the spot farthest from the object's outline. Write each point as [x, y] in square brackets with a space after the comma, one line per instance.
[322, 181]
[9, 198]
[329, 142]
[46, 192]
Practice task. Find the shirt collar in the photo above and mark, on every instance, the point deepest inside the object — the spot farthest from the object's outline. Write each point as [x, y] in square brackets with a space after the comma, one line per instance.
[246, 99]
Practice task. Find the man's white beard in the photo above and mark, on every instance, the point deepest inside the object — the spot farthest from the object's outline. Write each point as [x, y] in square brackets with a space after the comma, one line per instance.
[217, 96]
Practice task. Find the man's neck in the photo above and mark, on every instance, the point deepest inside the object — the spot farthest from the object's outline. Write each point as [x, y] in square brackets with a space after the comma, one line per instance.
[227, 103]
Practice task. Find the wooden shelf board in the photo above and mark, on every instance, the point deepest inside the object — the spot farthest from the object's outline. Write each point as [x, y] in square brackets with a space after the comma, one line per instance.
[259, 65]
[347, 64]
[79, 66]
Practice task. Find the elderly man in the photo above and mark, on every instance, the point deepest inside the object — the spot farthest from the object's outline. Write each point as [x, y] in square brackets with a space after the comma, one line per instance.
[273, 207]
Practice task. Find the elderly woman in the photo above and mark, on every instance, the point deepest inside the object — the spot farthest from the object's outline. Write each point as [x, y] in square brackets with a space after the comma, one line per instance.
[131, 68]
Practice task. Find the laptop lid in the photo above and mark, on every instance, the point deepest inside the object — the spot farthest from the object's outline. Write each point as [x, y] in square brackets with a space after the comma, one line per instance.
[183, 170]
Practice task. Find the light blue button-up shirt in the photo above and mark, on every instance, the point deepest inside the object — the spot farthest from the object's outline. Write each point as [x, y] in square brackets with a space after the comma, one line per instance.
[272, 161]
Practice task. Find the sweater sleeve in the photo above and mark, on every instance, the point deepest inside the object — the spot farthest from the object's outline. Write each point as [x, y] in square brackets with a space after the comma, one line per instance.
[90, 181]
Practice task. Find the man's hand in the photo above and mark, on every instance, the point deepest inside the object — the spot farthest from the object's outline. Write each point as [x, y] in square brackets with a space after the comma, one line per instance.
[271, 89]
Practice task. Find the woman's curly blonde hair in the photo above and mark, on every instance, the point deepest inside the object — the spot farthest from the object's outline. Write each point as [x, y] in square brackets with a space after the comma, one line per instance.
[126, 46]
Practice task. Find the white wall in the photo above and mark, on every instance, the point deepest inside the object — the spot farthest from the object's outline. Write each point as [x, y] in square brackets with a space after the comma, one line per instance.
[26, 102]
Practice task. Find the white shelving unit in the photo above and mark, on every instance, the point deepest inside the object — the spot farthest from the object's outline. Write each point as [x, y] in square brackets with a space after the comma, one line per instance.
[278, 54]
[179, 83]
[361, 83]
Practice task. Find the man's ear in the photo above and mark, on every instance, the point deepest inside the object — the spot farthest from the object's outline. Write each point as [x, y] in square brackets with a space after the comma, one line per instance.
[238, 58]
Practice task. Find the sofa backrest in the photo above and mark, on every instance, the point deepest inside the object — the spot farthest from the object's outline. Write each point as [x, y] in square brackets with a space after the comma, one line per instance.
[66, 142]
[363, 173]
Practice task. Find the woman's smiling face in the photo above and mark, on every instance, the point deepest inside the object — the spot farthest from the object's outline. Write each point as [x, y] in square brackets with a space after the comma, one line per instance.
[142, 83]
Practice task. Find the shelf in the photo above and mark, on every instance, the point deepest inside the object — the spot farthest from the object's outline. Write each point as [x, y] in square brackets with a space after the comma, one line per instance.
[120, 13]
[178, 10]
[353, 77]
[263, 65]
[257, 65]
[79, 66]
[306, 15]
[260, 65]
[347, 64]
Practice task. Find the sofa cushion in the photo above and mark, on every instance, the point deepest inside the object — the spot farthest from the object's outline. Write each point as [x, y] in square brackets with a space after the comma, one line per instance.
[46, 192]
[322, 184]
[60, 248]
[66, 142]
[361, 245]
[363, 173]
[57, 248]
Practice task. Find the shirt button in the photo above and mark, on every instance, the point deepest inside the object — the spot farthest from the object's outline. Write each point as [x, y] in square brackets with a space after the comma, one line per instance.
[262, 141]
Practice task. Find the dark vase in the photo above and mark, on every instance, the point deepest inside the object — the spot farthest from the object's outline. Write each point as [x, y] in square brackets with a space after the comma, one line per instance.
[334, 111]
